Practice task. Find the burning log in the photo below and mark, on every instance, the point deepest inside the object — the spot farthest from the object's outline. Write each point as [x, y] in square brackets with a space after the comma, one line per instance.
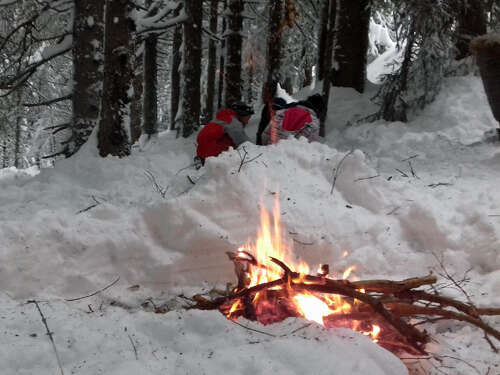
[269, 290]
[386, 303]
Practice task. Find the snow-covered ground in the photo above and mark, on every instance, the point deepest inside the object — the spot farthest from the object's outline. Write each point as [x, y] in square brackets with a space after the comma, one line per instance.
[71, 230]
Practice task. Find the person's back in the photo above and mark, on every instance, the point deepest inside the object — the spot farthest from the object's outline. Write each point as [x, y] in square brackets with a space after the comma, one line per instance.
[298, 120]
[265, 116]
[224, 132]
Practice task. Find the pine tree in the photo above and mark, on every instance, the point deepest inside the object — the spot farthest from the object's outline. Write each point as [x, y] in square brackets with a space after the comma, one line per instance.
[212, 61]
[471, 23]
[112, 136]
[222, 58]
[88, 40]
[273, 56]
[233, 54]
[425, 32]
[175, 74]
[351, 44]
[150, 96]
[191, 67]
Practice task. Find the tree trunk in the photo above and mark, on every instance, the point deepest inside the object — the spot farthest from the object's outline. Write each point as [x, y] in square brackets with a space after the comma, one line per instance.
[212, 61]
[5, 159]
[150, 104]
[222, 59]
[234, 44]
[137, 83]
[471, 23]
[175, 75]
[322, 39]
[273, 56]
[327, 62]
[308, 74]
[192, 67]
[17, 137]
[88, 40]
[251, 73]
[352, 26]
[112, 136]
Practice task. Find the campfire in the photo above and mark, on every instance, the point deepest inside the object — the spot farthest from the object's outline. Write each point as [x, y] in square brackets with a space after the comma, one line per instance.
[275, 303]
[272, 287]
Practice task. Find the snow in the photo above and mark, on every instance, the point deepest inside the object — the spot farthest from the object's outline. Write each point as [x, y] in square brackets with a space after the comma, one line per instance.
[71, 230]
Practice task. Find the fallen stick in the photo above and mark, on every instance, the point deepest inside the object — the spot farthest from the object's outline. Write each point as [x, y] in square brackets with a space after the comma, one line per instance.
[96, 292]
[49, 333]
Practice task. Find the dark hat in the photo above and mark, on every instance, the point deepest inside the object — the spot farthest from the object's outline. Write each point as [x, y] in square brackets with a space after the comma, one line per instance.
[316, 102]
[242, 109]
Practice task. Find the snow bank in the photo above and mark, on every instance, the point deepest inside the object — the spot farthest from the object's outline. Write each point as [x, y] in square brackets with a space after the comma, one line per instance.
[189, 342]
[407, 196]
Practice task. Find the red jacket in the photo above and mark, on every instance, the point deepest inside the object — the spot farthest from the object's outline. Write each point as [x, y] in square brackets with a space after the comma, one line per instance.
[212, 140]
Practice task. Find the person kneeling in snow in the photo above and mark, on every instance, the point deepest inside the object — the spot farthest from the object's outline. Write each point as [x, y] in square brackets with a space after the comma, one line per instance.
[299, 119]
[227, 130]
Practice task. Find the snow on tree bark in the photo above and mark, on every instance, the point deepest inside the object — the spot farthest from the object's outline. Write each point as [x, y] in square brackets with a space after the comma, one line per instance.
[88, 38]
[191, 67]
[112, 135]
[352, 26]
[233, 53]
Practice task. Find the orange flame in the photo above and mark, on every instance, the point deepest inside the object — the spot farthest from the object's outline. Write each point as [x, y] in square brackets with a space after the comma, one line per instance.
[269, 243]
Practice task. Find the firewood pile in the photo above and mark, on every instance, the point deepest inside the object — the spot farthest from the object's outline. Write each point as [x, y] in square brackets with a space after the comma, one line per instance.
[396, 310]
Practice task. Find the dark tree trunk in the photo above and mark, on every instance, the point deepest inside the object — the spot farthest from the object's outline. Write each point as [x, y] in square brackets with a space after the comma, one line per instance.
[352, 26]
[308, 74]
[322, 39]
[17, 143]
[150, 104]
[234, 44]
[137, 83]
[487, 53]
[212, 61]
[251, 68]
[273, 56]
[192, 67]
[327, 61]
[222, 59]
[17, 136]
[112, 137]
[175, 75]
[471, 23]
[5, 158]
[88, 40]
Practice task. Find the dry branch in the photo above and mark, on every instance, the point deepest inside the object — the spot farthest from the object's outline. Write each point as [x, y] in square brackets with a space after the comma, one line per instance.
[388, 302]
[49, 333]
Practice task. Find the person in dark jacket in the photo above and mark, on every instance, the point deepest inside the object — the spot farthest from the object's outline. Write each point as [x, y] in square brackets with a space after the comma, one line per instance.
[227, 130]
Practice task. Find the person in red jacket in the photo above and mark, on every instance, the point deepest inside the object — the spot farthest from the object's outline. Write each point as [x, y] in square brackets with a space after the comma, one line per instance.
[227, 130]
